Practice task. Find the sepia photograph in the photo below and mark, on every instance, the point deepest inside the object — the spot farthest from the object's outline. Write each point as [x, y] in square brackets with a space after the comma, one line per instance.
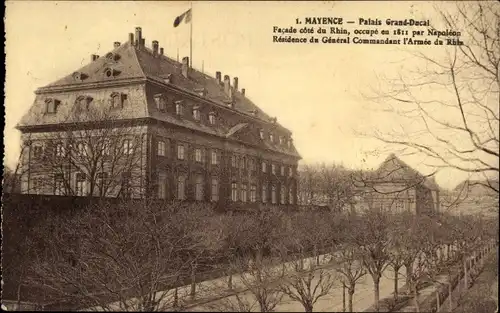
[251, 156]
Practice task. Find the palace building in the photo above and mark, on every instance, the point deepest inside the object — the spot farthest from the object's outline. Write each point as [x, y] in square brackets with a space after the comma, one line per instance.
[139, 124]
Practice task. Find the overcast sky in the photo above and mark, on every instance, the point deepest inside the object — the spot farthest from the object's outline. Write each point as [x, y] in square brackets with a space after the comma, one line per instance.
[314, 90]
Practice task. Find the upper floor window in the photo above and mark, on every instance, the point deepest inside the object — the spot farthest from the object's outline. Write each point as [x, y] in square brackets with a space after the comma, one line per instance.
[211, 118]
[251, 164]
[215, 189]
[196, 114]
[273, 169]
[37, 151]
[128, 147]
[253, 193]
[282, 194]
[281, 140]
[290, 171]
[242, 162]
[261, 134]
[83, 102]
[60, 150]
[290, 195]
[282, 170]
[162, 148]
[271, 137]
[180, 152]
[243, 192]
[51, 105]
[81, 149]
[214, 160]
[264, 193]
[160, 102]
[198, 155]
[234, 192]
[179, 108]
[264, 167]
[234, 161]
[106, 147]
[117, 100]
[273, 194]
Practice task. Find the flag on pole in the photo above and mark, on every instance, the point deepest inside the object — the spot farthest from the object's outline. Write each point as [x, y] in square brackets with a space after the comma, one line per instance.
[186, 16]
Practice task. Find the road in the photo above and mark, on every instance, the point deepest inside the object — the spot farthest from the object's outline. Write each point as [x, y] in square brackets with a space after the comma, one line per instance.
[363, 297]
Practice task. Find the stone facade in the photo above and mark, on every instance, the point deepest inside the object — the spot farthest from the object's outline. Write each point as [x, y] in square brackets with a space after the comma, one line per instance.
[186, 135]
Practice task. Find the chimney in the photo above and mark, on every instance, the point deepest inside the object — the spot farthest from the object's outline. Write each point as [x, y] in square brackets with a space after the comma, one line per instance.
[143, 42]
[161, 51]
[155, 47]
[131, 38]
[227, 85]
[243, 92]
[116, 44]
[235, 83]
[94, 57]
[218, 76]
[185, 66]
[138, 36]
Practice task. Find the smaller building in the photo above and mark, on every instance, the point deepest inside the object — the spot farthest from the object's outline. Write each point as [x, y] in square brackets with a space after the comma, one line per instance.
[396, 187]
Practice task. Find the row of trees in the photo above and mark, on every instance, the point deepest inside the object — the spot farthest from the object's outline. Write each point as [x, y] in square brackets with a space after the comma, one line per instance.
[135, 256]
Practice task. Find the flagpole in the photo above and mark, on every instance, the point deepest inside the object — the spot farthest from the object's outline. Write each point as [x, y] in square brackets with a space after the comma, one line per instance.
[191, 36]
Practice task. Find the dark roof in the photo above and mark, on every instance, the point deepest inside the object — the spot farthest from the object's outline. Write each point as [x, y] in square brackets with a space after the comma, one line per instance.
[138, 62]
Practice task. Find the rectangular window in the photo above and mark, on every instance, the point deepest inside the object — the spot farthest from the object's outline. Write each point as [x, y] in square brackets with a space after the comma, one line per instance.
[181, 186]
[37, 151]
[102, 183]
[234, 161]
[243, 192]
[215, 189]
[264, 194]
[211, 119]
[282, 170]
[180, 152]
[127, 147]
[81, 185]
[106, 146]
[283, 195]
[37, 185]
[251, 164]
[234, 192]
[162, 147]
[273, 169]
[214, 159]
[264, 167]
[199, 188]
[178, 109]
[290, 195]
[162, 186]
[253, 193]
[273, 194]
[59, 189]
[242, 162]
[126, 185]
[51, 106]
[290, 171]
[196, 114]
[197, 155]
[60, 151]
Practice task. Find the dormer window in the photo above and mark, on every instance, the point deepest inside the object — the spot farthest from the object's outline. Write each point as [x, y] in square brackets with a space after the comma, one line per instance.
[196, 113]
[179, 108]
[160, 102]
[117, 100]
[261, 133]
[51, 105]
[201, 91]
[110, 72]
[112, 56]
[211, 118]
[169, 79]
[79, 76]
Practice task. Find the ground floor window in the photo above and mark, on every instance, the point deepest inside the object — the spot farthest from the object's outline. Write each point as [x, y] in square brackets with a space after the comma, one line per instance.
[234, 192]
[253, 193]
[181, 187]
[199, 188]
[162, 186]
[243, 192]
[215, 189]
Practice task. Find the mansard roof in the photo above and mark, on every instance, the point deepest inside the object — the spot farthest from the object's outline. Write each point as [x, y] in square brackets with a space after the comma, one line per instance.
[137, 62]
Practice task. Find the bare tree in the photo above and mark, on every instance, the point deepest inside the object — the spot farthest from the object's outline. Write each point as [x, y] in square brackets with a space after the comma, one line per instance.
[127, 258]
[95, 144]
[448, 104]
[350, 268]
